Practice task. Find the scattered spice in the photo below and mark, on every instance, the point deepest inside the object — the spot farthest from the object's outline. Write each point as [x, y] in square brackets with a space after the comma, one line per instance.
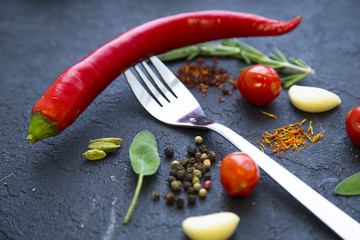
[191, 199]
[269, 114]
[170, 198]
[187, 185]
[202, 192]
[171, 179]
[197, 187]
[179, 201]
[191, 150]
[156, 195]
[174, 164]
[169, 152]
[207, 184]
[197, 75]
[289, 137]
[198, 139]
[188, 174]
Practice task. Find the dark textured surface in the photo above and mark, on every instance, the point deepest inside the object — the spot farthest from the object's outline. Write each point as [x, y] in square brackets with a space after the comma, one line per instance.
[49, 191]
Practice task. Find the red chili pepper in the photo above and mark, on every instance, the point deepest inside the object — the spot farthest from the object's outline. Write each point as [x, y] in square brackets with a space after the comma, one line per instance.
[80, 84]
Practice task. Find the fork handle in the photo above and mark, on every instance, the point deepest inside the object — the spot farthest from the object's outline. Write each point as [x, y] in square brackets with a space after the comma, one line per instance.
[341, 223]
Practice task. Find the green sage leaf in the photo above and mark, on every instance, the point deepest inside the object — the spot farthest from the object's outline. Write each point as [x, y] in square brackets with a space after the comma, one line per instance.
[144, 161]
[350, 186]
[143, 154]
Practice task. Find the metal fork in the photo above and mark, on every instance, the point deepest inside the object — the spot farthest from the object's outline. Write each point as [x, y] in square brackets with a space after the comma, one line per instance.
[178, 107]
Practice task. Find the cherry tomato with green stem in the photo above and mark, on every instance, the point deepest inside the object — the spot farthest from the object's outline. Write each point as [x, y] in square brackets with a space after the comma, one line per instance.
[353, 125]
[239, 174]
[259, 84]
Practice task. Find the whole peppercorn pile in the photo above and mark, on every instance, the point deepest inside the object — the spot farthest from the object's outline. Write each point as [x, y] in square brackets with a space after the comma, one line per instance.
[190, 175]
[197, 75]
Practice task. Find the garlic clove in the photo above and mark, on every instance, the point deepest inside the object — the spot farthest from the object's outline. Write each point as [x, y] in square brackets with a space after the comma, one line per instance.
[218, 226]
[312, 99]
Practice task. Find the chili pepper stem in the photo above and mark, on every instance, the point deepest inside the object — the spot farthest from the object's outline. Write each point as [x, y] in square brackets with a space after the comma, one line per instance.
[41, 127]
[134, 200]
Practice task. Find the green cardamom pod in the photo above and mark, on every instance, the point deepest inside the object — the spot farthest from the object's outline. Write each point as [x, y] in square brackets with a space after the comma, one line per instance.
[104, 146]
[94, 154]
[116, 141]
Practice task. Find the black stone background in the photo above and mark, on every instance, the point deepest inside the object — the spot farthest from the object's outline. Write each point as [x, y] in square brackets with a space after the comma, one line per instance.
[50, 191]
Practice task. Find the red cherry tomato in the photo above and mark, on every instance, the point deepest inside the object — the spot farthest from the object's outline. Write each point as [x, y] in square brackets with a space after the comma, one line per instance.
[353, 125]
[239, 174]
[259, 84]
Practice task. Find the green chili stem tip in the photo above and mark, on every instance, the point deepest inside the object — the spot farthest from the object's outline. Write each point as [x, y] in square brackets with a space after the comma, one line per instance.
[41, 127]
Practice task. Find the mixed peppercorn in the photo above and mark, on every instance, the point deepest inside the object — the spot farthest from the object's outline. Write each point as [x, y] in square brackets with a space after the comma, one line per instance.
[190, 173]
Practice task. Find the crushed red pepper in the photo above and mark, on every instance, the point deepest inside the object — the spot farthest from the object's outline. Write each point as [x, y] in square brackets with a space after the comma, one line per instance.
[200, 76]
[289, 137]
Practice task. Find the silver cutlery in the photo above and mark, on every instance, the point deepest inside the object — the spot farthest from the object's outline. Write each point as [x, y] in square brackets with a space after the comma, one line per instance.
[171, 102]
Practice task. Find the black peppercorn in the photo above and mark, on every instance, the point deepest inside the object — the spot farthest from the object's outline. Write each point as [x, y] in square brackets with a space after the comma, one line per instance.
[187, 185]
[192, 160]
[180, 174]
[191, 190]
[180, 167]
[189, 177]
[203, 148]
[171, 179]
[180, 201]
[169, 152]
[156, 195]
[170, 198]
[184, 162]
[191, 150]
[172, 172]
[200, 167]
[212, 155]
[207, 177]
[191, 199]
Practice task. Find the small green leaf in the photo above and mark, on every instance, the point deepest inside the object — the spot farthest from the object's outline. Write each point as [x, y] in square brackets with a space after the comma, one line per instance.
[350, 186]
[144, 161]
[143, 154]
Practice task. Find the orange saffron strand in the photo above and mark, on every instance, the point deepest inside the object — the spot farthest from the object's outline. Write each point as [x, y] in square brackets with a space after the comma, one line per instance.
[269, 114]
[289, 137]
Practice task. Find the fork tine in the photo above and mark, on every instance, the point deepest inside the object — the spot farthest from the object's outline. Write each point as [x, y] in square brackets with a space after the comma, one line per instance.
[151, 87]
[171, 80]
[168, 94]
[141, 94]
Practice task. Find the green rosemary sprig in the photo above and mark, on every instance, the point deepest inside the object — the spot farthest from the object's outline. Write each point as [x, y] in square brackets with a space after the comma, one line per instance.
[236, 49]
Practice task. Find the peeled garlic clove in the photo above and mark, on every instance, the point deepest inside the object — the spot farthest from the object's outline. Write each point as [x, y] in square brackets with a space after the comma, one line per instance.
[312, 99]
[218, 226]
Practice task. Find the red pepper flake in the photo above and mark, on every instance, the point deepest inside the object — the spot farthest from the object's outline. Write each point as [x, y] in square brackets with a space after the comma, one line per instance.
[200, 76]
[221, 100]
[289, 137]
